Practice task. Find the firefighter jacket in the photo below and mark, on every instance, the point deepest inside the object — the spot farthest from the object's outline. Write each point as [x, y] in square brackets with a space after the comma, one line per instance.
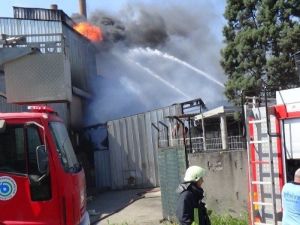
[190, 208]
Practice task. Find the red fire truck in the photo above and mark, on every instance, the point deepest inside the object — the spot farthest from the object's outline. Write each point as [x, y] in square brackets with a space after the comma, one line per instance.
[41, 181]
[273, 152]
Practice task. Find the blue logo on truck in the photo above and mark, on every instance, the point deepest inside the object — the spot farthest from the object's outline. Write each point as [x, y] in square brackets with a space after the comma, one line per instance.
[8, 188]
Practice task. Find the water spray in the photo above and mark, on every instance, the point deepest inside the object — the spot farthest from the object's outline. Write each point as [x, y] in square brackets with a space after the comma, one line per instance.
[156, 76]
[149, 51]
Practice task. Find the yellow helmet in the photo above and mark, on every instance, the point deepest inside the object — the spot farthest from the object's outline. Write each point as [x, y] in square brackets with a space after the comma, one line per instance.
[194, 173]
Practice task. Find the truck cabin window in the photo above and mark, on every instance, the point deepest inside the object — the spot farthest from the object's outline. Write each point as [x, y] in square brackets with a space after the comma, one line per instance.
[18, 149]
[12, 150]
[64, 147]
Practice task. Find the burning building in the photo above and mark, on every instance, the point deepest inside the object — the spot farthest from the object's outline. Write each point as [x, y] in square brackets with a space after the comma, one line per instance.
[46, 60]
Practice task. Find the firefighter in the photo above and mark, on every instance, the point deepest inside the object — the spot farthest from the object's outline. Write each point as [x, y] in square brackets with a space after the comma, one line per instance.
[190, 208]
[291, 201]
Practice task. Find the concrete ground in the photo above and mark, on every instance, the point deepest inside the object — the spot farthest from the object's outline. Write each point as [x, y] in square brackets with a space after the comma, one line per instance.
[129, 207]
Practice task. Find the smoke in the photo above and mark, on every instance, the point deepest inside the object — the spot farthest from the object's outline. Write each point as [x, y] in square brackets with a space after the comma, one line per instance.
[127, 85]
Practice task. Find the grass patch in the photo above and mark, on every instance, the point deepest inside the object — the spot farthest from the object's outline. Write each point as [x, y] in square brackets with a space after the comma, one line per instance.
[214, 218]
[222, 220]
[228, 220]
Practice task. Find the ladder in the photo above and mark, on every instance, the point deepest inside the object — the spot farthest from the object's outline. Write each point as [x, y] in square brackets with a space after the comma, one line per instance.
[256, 146]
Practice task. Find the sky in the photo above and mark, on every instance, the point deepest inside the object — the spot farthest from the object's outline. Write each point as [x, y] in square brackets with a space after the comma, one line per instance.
[67, 6]
[71, 7]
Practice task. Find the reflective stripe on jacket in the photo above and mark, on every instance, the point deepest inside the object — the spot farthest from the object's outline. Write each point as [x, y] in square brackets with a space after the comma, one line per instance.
[196, 217]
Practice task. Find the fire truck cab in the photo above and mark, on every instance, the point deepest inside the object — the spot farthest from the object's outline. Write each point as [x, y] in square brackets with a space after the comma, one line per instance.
[273, 152]
[41, 181]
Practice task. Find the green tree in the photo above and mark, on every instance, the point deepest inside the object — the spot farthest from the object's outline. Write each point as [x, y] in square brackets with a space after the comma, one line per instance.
[261, 37]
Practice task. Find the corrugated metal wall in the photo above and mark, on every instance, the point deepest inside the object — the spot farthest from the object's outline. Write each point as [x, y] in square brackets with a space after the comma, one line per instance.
[102, 169]
[82, 57]
[133, 148]
[5, 107]
[97, 137]
[172, 167]
[42, 14]
[11, 26]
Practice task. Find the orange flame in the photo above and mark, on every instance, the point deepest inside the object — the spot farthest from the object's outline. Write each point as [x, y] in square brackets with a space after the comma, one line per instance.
[90, 31]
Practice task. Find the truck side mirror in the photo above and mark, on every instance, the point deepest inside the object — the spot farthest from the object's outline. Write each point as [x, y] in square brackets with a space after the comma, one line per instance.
[42, 159]
[38, 125]
[2, 126]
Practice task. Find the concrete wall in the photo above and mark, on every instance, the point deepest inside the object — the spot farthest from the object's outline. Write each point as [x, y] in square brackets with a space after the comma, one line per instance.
[226, 183]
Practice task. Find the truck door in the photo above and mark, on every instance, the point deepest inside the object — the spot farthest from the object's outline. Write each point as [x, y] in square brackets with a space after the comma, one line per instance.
[72, 181]
[26, 196]
[291, 145]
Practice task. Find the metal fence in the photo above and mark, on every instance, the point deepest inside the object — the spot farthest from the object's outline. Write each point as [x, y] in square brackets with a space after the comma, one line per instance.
[46, 43]
[172, 166]
[237, 142]
[199, 144]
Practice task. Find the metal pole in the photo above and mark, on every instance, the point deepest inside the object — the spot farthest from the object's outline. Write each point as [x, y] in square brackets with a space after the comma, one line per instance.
[156, 128]
[203, 129]
[190, 135]
[224, 134]
[243, 115]
[167, 128]
[183, 134]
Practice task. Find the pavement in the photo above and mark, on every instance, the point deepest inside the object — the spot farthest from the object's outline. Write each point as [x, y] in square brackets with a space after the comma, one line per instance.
[128, 207]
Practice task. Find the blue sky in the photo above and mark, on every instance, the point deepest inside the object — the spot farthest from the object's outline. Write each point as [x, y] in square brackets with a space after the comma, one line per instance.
[67, 6]
[71, 7]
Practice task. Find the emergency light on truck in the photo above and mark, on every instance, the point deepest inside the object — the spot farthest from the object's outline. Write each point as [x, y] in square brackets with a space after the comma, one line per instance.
[40, 108]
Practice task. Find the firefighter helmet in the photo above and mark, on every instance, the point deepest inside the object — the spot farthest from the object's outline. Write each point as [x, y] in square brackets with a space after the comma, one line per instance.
[194, 173]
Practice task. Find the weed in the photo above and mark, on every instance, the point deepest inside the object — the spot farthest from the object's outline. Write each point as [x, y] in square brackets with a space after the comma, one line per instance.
[227, 220]
[215, 220]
